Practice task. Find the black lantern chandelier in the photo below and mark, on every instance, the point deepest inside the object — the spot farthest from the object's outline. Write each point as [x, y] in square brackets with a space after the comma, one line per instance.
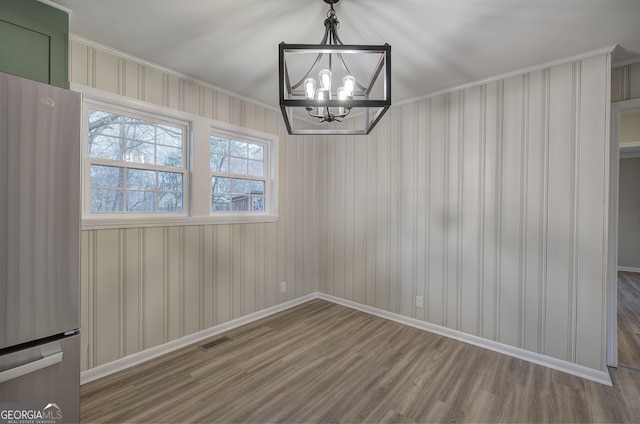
[333, 81]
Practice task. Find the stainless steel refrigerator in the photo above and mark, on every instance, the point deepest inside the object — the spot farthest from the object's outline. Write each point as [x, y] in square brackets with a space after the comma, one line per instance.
[39, 248]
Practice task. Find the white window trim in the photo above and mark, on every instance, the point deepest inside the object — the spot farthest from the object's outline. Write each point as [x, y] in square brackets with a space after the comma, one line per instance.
[198, 190]
[267, 166]
[87, 161]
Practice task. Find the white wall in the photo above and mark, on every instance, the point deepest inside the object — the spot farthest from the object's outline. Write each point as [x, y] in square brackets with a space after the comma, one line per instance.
[629, 214]
[143, 287]
[490, 202]
[629, 128]
[626, 86]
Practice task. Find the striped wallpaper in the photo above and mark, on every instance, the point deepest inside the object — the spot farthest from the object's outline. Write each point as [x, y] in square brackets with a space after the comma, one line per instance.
[489, 202]
[144, 287]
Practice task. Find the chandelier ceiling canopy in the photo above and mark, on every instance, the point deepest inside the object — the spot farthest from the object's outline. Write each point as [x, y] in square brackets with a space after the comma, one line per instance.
[333, 88]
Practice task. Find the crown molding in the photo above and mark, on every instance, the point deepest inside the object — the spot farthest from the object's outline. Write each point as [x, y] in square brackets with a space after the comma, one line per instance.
[562, 61]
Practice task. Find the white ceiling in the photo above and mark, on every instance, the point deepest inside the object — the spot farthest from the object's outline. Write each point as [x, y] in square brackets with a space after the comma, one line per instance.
[436, 44]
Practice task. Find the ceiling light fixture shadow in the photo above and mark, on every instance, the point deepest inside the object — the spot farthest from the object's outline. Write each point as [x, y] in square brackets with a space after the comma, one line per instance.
[332, 82]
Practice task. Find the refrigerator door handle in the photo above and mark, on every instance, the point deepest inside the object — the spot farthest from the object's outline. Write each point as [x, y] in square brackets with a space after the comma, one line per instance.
[30, 367]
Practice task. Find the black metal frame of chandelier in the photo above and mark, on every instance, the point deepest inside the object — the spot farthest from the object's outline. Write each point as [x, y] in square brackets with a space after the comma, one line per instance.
[335, 103]
[382, 104]
[335, 49]
[333, 131]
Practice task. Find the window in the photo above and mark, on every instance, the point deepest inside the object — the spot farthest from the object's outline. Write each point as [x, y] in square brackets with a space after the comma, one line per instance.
[146, 166]
[238, 175]
[136, 164]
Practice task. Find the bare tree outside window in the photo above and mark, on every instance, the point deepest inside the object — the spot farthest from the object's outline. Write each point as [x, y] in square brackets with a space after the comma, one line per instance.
[136, 165]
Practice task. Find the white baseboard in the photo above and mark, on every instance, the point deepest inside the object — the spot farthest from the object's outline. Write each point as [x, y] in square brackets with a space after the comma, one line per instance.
[140, 357]
[536, 358]
[628, 269]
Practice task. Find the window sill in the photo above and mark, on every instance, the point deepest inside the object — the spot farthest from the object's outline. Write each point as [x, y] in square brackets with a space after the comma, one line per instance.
[115, 223]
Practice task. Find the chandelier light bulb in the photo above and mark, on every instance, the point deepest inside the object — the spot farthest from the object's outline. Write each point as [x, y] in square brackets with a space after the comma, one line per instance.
[342, 95]
[349, 84]
[325, 79]
[322, 94]
[309, 88]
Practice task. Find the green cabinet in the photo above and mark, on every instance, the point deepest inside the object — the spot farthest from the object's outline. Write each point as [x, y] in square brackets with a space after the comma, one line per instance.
[34, 39]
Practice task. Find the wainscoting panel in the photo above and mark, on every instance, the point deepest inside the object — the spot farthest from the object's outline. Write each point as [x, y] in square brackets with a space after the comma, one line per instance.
[490, 202]
[143, 287]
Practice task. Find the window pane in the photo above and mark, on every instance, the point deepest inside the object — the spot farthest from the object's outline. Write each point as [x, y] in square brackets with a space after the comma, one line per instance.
[219, 145]
[256, 168]
[170, 136]
[238, 148]
[256, 152]
[169, 202]
[220, 203]
[141, 179]
[136, 129]
[138, 152]
[221, 185]
[128, 141]
[105, 123]
[107, 176]
[105, 147]
[257, 187]
[238, 166]
[141, 201]
[97, 116]
[219, 163]
[237, 158]
[106, 200]
[171, 181]
[169, 156]
[240, 204]
[257, 203]
[240, 186]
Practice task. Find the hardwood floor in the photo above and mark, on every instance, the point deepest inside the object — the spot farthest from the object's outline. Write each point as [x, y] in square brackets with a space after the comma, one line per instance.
[629, 319]
[322, 362]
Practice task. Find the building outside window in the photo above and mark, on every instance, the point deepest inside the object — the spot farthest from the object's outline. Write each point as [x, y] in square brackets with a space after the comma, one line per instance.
[238, 175]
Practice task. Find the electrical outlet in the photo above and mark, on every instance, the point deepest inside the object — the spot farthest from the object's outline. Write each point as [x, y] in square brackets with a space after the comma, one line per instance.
[419, 303]
[283, 287]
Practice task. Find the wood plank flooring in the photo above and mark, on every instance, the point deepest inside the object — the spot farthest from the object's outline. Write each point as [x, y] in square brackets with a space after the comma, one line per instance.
[629, 319]
[325, 363]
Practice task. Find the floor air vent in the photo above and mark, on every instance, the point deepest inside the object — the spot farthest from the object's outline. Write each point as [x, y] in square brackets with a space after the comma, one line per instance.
[214, 343]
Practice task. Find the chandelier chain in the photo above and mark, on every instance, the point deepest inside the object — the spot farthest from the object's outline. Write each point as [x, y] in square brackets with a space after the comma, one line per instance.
[332, 24]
